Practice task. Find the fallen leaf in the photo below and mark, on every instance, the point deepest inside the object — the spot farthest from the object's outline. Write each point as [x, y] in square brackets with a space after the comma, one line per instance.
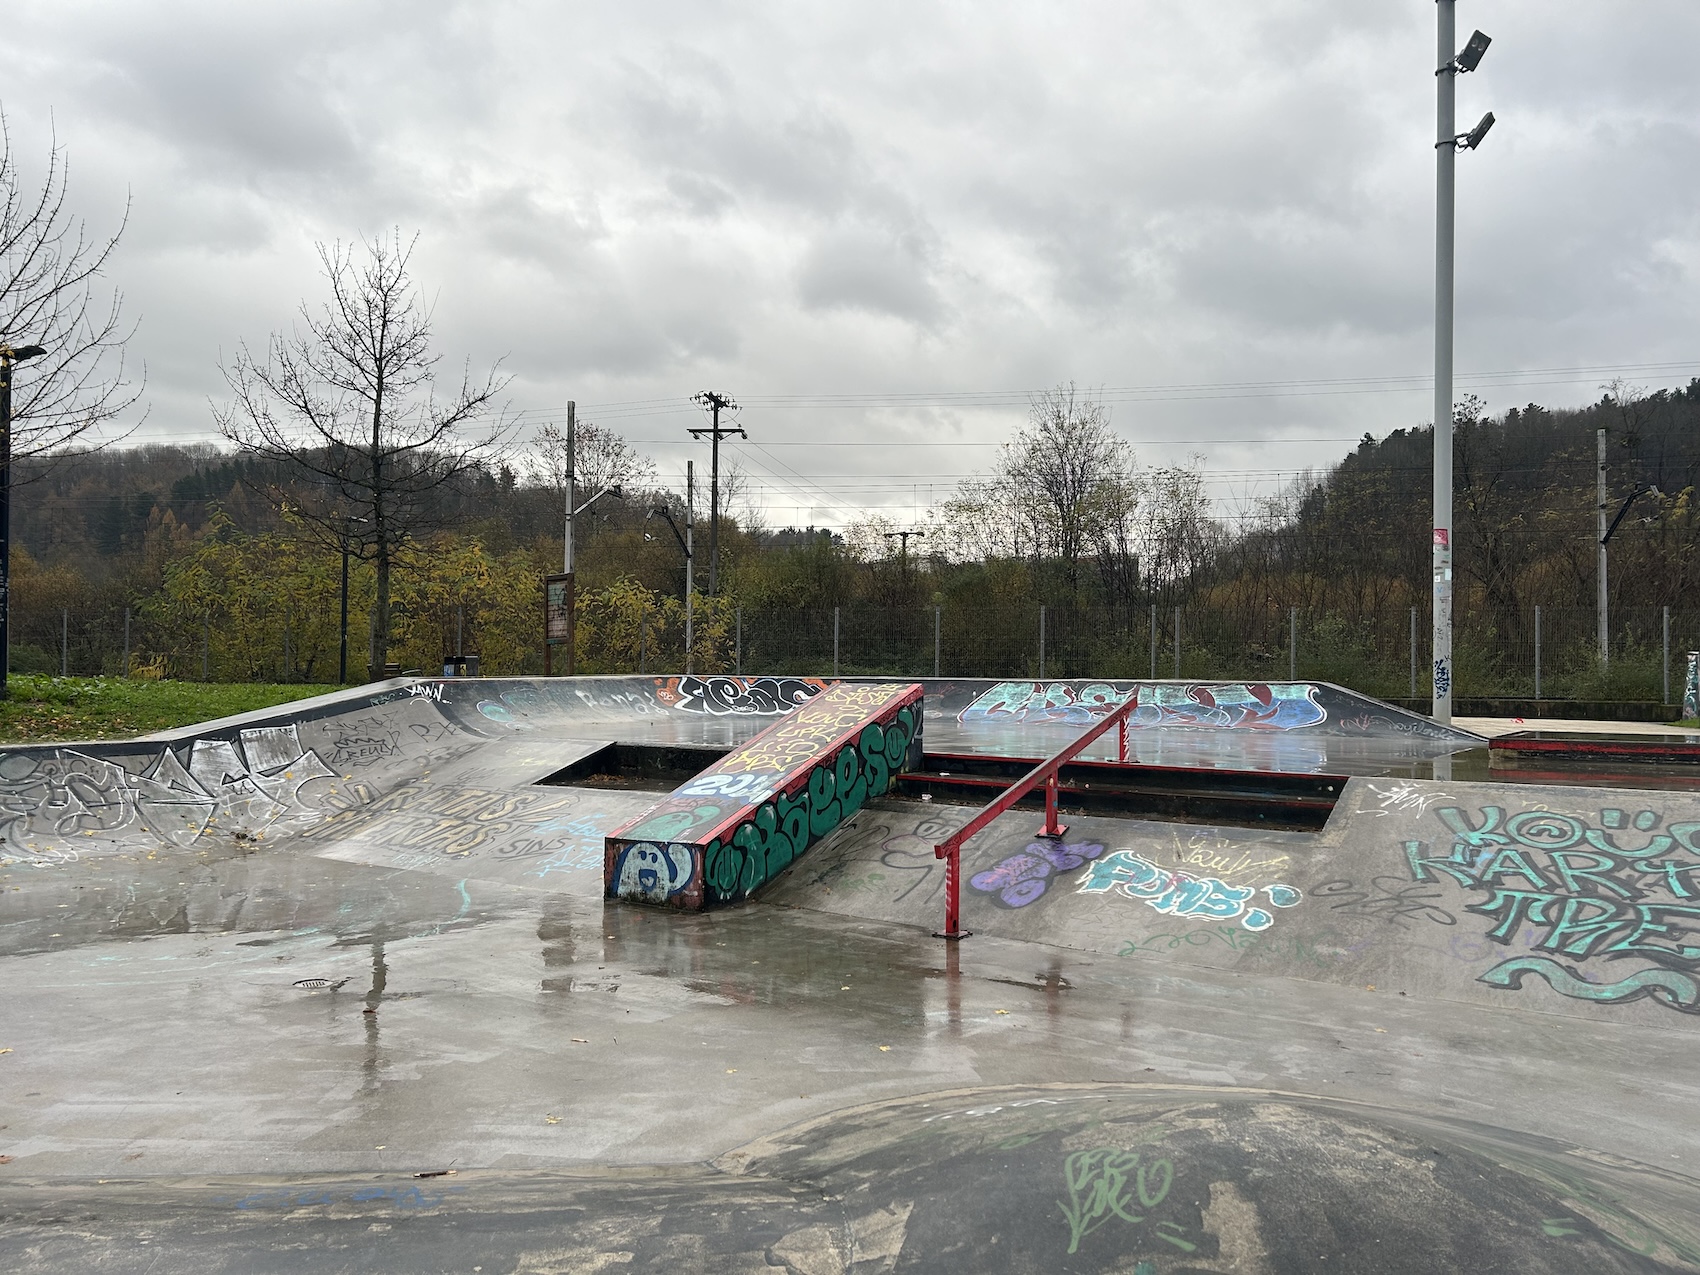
[845, 988]
[731, 1071]
[580, 1040]
[5, 1159]
[5, 1051]
[1369, 987]
[1382, 1030]
[551, 1120]
[1000, 1011]
[885, 1049]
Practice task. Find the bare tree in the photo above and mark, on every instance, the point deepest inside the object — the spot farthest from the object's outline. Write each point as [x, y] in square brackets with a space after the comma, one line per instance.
[603, 459]
[50, 266]
[349, 401]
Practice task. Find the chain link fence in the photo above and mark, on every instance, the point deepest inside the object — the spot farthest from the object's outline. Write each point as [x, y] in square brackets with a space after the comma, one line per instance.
[1548, 653]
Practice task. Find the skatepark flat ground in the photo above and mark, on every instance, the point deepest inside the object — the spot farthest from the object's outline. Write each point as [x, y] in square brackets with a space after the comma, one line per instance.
[340, 991]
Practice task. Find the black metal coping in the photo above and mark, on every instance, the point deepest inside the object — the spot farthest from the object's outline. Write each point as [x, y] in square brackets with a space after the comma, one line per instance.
[1185, 794]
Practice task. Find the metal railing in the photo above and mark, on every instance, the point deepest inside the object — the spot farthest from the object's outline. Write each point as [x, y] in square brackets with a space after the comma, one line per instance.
[950, 849]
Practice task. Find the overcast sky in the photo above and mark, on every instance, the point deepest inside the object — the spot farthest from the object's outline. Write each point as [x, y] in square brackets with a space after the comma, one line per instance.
[880, 223]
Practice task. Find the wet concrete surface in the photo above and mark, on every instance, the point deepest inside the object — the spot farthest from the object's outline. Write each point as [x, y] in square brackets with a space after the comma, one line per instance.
[305, 1011]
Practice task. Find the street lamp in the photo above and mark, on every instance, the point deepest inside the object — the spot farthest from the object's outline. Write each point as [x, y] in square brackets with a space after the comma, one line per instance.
[8, 356]
[1449, 142]
[571, 599]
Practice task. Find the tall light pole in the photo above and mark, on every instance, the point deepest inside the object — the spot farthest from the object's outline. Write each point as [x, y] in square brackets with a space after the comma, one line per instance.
[8, 356]
[1601, 603]
[1449, 142]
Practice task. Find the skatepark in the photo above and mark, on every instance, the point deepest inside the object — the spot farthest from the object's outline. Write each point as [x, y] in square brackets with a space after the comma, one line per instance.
[385, 981]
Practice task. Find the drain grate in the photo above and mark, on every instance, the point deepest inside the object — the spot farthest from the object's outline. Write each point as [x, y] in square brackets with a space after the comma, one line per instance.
[317, 984]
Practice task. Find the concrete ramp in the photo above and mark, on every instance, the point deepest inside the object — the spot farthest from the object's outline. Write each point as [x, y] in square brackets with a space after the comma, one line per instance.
[1583, 902]
[729, 830]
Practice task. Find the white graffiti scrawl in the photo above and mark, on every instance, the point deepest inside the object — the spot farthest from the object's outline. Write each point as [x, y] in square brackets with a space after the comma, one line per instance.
[1183, 894]
[49, 803]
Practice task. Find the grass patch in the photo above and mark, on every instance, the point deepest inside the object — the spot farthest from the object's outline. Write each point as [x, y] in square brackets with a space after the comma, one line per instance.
[44, 709]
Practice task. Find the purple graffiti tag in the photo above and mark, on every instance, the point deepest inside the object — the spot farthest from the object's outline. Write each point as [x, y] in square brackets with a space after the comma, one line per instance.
[1023, 878]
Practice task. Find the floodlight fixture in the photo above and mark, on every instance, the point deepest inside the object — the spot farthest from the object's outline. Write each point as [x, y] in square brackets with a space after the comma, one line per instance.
[1472, 139]
[1471, 55]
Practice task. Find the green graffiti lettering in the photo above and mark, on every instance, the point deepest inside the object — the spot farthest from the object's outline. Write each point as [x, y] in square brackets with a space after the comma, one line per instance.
[1453, 865]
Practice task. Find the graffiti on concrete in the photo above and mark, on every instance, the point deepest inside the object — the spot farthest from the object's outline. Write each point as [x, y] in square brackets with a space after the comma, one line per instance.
[1218, 856]
[1183, 894]
[750, 775]
[1215, 705]
[746, 788]
[1391, 899]
[652, 873]
[51, 801]
[448, 820]
[737, 696]
[1614, 922]
[363, 742]
[1320, 950]
[1107, 1183]
[779, 830]
[1402, 795]
[1023, 878]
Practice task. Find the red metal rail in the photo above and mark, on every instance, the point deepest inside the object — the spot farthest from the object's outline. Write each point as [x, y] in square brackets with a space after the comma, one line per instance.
[950, 849]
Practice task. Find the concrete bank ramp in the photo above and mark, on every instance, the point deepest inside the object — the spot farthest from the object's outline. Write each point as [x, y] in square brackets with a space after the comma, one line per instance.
[433, 776]
[1573, 901]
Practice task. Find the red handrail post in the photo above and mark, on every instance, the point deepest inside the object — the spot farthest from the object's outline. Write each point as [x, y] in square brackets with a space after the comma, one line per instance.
[951, 852]
[1052, 829]
[950, 849]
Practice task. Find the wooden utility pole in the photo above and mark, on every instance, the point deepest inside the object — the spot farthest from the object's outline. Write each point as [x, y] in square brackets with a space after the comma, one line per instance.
[716, 403]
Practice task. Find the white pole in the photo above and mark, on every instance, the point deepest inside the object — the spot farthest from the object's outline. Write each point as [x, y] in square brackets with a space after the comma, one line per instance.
[1600, 601]
[1041, 644]
[567, 540]
[1666, 665]
[1445, 157]
[1292, 644]
[938, 613]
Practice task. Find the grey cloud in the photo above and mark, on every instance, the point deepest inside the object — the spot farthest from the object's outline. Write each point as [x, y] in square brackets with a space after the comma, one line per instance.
[810, 198]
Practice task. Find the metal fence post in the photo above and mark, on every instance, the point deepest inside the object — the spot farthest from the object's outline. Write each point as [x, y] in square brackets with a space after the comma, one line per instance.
[1177, 643]
[65, 642]
[835, 641]
[643, 639]
[1292, 644]
[1153, 641]
[937, 613]
[206, 648]
[1041, 643]
[126, 672]
[1413, 652]
[1537, 653]
[1666, 665]
[738, 650]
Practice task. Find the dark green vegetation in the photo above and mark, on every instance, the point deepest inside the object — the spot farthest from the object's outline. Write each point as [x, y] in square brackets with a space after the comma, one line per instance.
[40, 709]
[217, 579]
